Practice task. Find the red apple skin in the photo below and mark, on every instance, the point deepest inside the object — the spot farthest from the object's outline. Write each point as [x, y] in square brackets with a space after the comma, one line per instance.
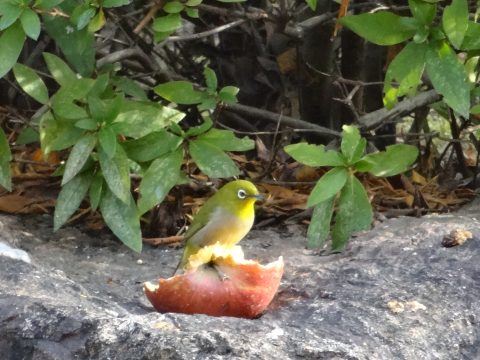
[245, 292]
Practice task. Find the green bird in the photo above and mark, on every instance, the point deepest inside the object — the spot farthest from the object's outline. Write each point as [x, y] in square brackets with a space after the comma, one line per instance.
[225, 218]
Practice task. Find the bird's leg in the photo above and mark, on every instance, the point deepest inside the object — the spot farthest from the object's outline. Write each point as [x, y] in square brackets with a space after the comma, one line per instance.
[221, 275]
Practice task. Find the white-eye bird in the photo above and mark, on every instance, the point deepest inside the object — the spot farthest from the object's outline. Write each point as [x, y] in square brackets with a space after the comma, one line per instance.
[225, 218]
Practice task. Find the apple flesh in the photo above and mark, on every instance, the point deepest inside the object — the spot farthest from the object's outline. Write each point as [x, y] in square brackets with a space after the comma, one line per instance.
[233, 286]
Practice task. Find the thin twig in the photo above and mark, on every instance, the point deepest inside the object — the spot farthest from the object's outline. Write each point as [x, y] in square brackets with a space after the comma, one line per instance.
[298, 30]
[163, 241]
[207, 33]
[273, 151]
[150, 15]
[286, 120]
[343, 80]
[33, 162]
[252, 13]
[379, 117]
[256, 133]
[126, 54]
[51, 12]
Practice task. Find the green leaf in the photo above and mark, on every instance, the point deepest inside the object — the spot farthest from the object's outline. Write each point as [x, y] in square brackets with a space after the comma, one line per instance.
[160, 36]
[212, 160]
[193, 13]
[137, 119]
[30, 23]
[116, 173]
[11, 44]
[85, 17]
[151, 146]
[86, 124]
[100, 86]
[193, 2]
[231, 1]
[130, 88]
[46, 124]
[56, 134]
[227, 141]
[27, 136]
[180, 92]
[98, 22]
[105, 111]
[95, 191]
[314, 155]
[31, 83]
[70, 198]
[108, 141]
[228, 94]
[381, 28]
[448, 77]
[353, 145]
[10, 13]
[208, 103]
[63, 102]
[328, 186]
[78, 89]
[167, 23]
[210, 79]
[60, 71]
[312, 4]
[78, 46]
[200, 129]
[319, 227]
[5, 158]
[455, 21]
[78, 156]
[63, 106]
[159, 179]
[114, 3]
[475, 109]
[354, 213]
[122, 218]
[423, 11]
[394, 160]
[173, 7]
[47, 4]
[471, 41]
[406, 69]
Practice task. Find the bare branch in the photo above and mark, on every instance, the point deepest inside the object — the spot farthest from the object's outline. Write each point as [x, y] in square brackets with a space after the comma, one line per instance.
[251, 13]
[126, 54]
[378, 117]
[273, 117]
[150, 15]
[207, 33]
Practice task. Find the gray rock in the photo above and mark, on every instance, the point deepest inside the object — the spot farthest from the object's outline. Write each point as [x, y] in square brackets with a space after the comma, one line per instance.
[6, 250]
[395, 293]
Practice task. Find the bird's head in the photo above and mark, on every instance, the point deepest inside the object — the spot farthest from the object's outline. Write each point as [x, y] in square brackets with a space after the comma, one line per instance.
[238, 195]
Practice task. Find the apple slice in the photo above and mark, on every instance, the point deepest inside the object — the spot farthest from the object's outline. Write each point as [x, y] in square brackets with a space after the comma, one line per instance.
[232, 287]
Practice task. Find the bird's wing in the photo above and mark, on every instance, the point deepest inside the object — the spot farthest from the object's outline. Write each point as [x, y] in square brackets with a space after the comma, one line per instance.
[200, 220]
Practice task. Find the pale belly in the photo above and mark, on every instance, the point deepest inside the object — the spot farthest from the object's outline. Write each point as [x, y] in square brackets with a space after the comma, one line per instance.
[223, 228]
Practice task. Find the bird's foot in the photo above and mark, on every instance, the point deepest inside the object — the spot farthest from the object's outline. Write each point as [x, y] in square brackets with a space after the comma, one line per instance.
[221, 275]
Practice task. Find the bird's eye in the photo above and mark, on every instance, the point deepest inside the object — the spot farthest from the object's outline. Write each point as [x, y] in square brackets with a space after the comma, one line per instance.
[241, 194]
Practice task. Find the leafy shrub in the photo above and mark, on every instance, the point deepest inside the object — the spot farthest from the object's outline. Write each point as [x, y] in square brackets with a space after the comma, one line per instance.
[108, 124]
[339, 188]
[430, 48]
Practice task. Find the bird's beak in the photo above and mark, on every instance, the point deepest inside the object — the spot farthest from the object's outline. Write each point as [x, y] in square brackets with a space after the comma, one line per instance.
[259, 197]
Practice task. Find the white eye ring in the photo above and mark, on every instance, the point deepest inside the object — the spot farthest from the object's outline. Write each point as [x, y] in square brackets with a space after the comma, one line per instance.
[241, 194]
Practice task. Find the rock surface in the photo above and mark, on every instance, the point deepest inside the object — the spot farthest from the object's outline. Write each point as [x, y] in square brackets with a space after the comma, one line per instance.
[395, 293]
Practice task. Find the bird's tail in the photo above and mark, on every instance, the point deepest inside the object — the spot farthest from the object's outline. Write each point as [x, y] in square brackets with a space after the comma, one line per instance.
[187, 252]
